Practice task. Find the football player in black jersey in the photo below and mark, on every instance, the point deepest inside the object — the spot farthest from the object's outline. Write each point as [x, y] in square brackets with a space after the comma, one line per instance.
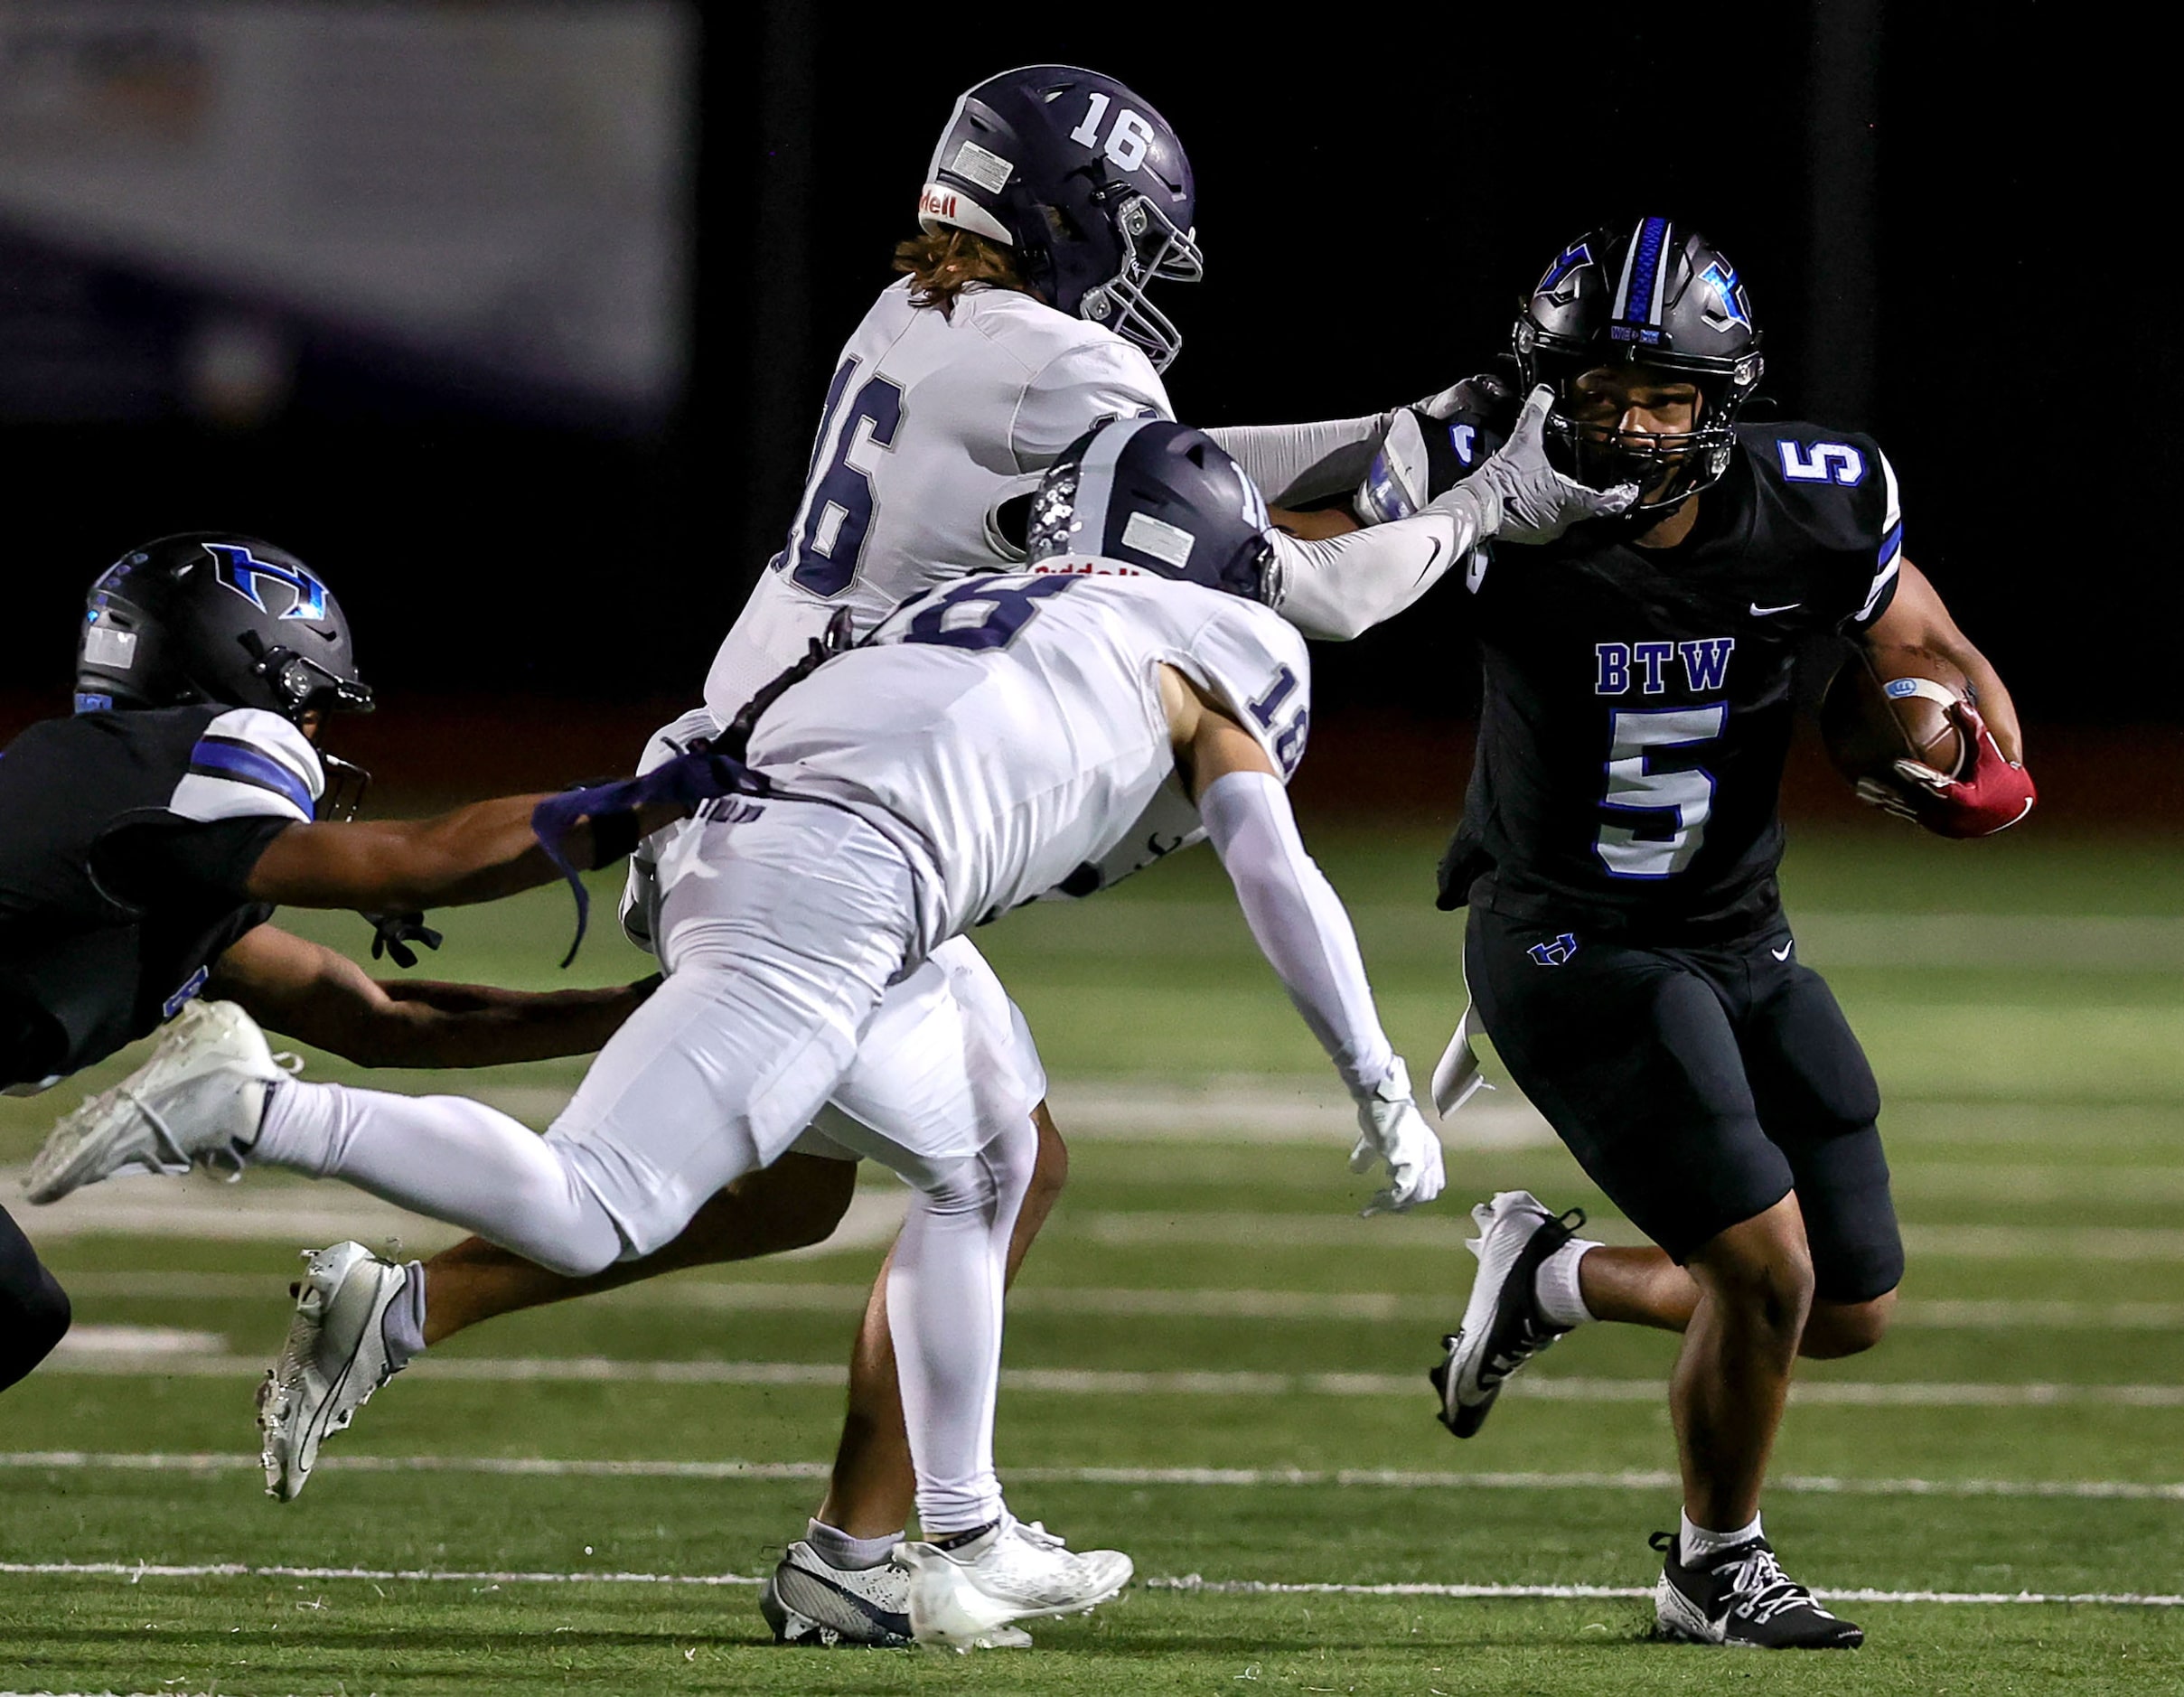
[146, 841]
[1626, 949]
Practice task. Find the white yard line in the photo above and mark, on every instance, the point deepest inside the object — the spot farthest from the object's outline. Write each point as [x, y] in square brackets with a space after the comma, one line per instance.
[1344, 1478]
[1080, 1382]
[725, 1297]
[1194, 1582]
[273, 1209]
[287, 1213]
[135, 1573]
[2152, 942]
[1444, 1228]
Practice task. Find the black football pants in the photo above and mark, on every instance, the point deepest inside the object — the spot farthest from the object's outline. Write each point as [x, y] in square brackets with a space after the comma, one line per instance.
[1698, 1086]
[33, 1308]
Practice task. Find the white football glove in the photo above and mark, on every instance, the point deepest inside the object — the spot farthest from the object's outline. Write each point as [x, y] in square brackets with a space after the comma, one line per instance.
[1392, 1130]
[1517, 496]
[1479, 393]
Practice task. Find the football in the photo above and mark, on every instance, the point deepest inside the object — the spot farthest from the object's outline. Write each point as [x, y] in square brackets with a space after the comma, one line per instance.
[1892, 704]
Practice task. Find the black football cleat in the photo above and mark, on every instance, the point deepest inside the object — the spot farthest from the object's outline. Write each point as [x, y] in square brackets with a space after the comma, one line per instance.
[1503, 1327]
[1740, 1597]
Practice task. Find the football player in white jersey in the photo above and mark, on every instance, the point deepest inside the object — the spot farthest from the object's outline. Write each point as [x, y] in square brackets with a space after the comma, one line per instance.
[991, 742]
[1053, 198]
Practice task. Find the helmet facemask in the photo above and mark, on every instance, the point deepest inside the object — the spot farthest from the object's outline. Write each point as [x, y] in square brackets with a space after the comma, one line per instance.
[1153, 246]
[1669, 467]
[1054, 523]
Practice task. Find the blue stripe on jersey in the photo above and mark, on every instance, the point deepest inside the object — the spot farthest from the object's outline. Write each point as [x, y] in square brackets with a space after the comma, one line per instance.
[219, 757]
[1890, 544]
[1646, 270]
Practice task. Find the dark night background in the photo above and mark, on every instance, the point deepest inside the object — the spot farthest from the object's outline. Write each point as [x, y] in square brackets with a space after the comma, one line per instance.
[1371, 201]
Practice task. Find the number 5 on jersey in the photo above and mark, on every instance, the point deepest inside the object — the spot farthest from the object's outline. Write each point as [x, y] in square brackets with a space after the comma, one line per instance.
[1634, 784]
[827, 537]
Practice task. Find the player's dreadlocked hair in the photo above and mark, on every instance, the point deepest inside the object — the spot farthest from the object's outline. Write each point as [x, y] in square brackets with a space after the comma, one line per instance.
[942, 263]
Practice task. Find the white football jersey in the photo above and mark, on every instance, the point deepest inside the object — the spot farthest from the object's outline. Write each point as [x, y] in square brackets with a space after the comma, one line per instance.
[932, 421]
[1007, 732]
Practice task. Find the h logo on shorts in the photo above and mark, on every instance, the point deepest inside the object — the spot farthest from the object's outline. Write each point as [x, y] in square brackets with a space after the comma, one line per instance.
[1553, 954]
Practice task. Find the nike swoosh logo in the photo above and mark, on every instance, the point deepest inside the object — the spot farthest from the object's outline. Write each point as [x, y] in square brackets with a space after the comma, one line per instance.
[1759, 612]
[1782, 953]
[1427, 567]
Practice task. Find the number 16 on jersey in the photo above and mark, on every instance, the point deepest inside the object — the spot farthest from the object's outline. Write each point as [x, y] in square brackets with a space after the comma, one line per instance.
[828, 535]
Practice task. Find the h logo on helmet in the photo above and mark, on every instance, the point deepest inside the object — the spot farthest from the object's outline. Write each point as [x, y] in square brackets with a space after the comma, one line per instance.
[1579, 253]
[242, 571]
[1721, 276]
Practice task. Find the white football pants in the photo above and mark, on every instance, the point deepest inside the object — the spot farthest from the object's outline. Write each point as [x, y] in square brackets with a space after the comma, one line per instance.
[782, 934]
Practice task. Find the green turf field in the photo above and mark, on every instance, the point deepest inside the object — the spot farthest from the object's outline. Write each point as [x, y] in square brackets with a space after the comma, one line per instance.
[1212, 1363]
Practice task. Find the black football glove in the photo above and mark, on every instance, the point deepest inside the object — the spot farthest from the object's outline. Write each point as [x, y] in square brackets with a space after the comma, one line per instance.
[392, 933]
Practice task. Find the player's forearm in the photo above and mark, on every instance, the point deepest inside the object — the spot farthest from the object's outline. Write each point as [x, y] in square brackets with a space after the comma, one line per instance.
[478, 853]
[1299, 462]
[1298, 922]
[1338, 588]
[466, 1024]
[1993, 696]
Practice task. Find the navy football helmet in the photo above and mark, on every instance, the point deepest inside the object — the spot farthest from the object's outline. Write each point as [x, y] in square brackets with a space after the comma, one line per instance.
[1654, 294]
[211, 616]
[1085, 183]
[1160, 498]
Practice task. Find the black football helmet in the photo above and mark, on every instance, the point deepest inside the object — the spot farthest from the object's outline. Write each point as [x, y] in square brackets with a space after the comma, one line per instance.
[209, 615]
[1656, 294]
[1151, 495]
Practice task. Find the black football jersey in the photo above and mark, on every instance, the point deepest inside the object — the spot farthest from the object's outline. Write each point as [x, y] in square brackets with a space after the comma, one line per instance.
[1637, 702]
[126, 840]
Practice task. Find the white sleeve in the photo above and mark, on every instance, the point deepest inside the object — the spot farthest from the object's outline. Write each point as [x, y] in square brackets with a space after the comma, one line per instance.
[1298, 922]
[250, 763]
[1341, 587]
[1084, 385]
[1299, 462]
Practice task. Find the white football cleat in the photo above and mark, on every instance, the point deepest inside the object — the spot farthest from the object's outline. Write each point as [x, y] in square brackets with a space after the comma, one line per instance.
[1502, 1326]
[335, 1357]
[807, 1600]
[963, 1598]
[198, 1100]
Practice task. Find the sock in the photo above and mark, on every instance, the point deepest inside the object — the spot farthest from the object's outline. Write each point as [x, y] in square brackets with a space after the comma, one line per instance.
[402, 1326]
[445, 1156]
[837, 1548]
[1555, 1287]
[970, 1534]
[1695, 1543]
[944, 1288]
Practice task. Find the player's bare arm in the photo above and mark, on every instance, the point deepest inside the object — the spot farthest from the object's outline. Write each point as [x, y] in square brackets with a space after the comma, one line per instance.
[1209, 742]
[1316, 526]
[1917, 618]
[308, 991]
[478, 853]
